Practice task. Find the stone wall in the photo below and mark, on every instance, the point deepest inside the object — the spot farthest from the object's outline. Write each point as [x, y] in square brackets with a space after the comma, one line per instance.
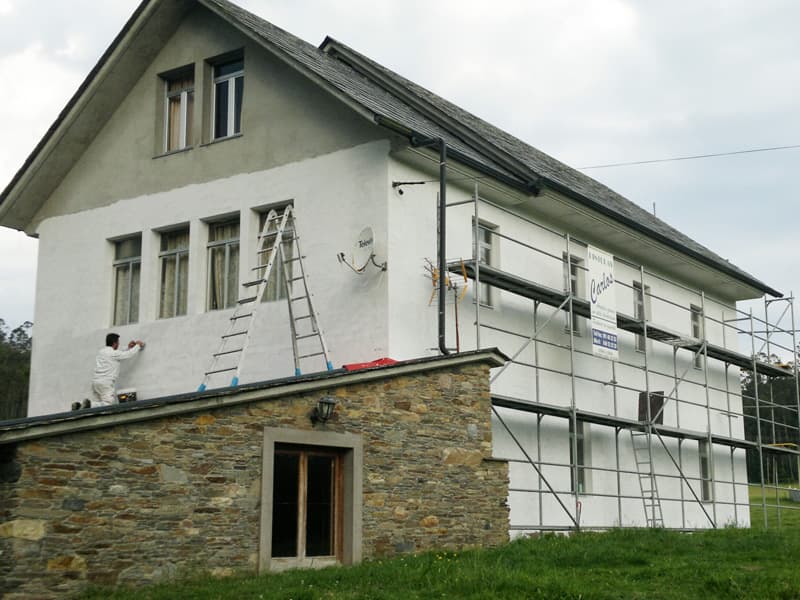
[130, 503]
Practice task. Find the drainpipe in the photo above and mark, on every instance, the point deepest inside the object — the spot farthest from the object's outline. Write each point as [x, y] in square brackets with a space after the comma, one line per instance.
[442, 240]
[442, 262]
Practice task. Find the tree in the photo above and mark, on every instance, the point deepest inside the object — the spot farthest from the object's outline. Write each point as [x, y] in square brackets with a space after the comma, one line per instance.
[776, 415]
[15, 368]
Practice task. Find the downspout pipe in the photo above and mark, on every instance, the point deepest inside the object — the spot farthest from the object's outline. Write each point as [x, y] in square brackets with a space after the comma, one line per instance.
[442, 240]
[442, 259]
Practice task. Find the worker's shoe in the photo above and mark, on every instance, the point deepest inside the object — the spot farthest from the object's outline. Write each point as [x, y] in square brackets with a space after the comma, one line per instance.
[76, 406]
[86, 403]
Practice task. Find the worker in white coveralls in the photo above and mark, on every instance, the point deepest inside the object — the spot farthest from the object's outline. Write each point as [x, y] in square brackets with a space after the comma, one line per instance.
[106, 368]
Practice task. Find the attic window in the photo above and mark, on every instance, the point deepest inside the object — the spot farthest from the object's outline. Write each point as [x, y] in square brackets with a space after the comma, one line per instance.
[228, 92]
[179, 109]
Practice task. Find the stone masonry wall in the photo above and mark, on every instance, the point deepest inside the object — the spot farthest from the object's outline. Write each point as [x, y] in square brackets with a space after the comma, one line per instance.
[130, 504]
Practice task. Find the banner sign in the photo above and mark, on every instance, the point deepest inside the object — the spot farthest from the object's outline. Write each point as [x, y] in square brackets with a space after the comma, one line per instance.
[603, 303]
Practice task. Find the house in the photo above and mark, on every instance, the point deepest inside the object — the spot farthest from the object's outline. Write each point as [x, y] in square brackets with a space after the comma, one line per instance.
[150, 191]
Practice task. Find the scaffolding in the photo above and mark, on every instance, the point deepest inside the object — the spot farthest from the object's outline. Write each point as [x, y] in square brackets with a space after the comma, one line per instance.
[757, 426]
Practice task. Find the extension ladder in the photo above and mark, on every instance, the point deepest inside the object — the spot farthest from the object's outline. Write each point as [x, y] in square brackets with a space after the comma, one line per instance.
[277, 237]
[642, 454]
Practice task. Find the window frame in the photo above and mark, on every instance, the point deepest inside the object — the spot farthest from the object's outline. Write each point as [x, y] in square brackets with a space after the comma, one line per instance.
[574, 283]
[350, 446]
[227, 243]
[186, 117]
[163, 257]
[697, 327]
[276, 291]
[303, 510]
[118, 266]
[641, 312]
[485, 241]
[706, 481]
[579, 470]
[232, 114]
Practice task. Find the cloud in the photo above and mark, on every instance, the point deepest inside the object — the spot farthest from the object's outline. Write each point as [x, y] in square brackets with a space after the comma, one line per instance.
[41, 88]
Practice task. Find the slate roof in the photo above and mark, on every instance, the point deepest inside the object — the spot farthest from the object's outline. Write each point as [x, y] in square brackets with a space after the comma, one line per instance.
[405, 103]
[408, 108]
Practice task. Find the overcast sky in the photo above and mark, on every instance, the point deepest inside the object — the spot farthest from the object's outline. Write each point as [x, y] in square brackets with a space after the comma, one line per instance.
[590, 83]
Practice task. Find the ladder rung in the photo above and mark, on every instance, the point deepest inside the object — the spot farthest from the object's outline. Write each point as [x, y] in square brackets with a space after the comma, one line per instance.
[245, 315]
[246, 300]
[303, 337]
[252, 283]
[303, 317]
[221, 370]
[296, 298]
[310, 355]
[295, 279]
[230, 335]
[290, 260]
[228, 352]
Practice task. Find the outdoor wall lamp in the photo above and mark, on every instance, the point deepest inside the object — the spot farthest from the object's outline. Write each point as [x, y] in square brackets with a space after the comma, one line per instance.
[323, 410]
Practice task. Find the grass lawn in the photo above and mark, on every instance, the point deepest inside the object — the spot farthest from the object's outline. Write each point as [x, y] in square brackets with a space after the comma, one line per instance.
[781, 512]
[728, 563]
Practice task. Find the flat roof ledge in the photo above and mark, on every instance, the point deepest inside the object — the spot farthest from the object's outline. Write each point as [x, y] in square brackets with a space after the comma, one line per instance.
[142, 410]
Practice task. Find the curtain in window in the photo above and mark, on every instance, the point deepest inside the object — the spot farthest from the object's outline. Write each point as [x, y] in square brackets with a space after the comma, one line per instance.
[174, 273]
[122, 295]
[174, 123]
[223, 282]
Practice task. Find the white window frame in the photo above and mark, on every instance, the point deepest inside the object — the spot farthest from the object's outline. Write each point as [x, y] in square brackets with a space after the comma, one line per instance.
[696, 313]
[277, 291]
[231, 116]
[574, 282]
[126, 264]
[178, 255]
[227, 244]
[485, 246]
[641, 312]
[706, 483]
[582, 464]
[183, 93]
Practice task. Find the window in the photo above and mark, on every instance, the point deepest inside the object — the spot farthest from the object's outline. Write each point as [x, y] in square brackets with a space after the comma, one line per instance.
[223, 264]
[705, 471]
[697, 332]
[641, 311]
[579, 432]
[174, 257]
[312, 496]
[306, 504]
[228, 91]
[485, 254]
[573, 283]
[279, 283]
[179, 109]
[656, 408]
[127, 268]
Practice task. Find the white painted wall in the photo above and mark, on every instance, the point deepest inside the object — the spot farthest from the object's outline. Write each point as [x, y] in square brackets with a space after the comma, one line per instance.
[334, 196]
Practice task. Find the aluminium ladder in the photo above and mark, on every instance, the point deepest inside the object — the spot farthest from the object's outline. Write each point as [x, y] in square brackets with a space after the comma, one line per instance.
[642, 454]
[278, 239]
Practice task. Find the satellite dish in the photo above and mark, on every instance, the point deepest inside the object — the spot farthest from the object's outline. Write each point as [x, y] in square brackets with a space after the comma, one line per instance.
[363, 249]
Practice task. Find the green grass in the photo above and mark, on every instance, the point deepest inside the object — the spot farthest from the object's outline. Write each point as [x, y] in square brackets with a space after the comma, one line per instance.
[781, 511]
[728, 563]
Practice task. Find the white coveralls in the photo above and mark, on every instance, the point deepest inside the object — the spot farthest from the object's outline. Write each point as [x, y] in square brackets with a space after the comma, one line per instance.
[106, 371]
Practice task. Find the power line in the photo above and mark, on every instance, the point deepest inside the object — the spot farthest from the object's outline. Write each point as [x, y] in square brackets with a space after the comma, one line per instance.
[696, 156]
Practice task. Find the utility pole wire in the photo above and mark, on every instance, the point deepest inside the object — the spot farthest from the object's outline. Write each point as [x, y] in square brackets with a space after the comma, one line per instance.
[677, 158]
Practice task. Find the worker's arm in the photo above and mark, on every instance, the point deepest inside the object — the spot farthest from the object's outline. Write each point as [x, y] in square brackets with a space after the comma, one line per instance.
[133, 350]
